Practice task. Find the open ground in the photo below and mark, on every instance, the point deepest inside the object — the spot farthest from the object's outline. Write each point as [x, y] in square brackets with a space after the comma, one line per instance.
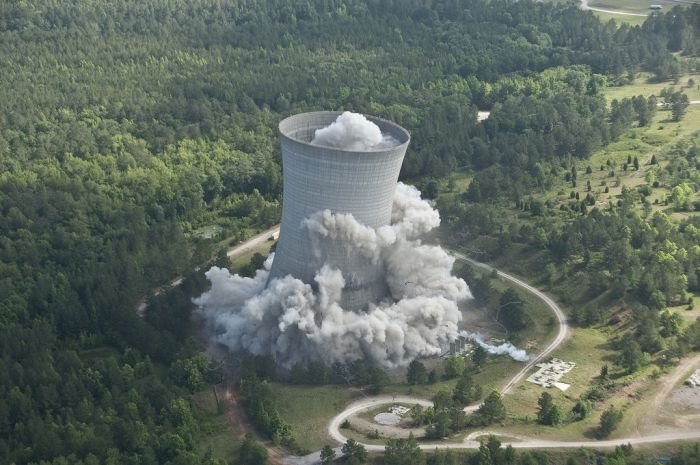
[656, 402]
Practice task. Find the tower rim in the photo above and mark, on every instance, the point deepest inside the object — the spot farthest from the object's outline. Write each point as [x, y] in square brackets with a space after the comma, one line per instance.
[309, 122]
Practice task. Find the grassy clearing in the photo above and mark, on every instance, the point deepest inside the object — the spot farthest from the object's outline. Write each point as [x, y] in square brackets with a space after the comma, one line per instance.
[620, 19]
[631, 6]
[216, 436]
[586, 347]
[689, 316]
[589, 349]
[309, 409]
[641, 86]
[492, 376]
[656, 140]
[243, 259]
[461, 180]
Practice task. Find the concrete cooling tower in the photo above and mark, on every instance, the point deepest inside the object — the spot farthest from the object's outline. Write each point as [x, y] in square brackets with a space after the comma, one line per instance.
[319, 178]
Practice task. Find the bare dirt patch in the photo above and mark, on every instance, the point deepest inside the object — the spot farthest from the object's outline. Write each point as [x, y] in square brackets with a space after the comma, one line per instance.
[685, 400]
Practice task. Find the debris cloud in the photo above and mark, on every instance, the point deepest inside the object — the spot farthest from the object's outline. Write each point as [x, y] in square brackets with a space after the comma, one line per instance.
[298, 322]
[506, 348]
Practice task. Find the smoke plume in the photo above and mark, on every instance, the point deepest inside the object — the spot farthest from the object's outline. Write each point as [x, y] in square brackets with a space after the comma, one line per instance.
[295, 322]
[352, 131]
[504, 349]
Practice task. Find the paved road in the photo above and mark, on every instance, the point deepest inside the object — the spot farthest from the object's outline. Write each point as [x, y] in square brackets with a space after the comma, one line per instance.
[563, 326]
[355, 407]
[690, 102]
[521, 442]
[584, 6]
[470, 443]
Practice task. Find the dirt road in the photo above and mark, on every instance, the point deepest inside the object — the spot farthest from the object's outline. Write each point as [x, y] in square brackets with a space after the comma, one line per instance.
[253, 242]
[655, 415]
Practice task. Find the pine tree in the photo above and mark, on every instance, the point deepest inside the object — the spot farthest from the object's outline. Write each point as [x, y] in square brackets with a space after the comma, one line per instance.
[492, 409]
[327, 455]
[609, 421]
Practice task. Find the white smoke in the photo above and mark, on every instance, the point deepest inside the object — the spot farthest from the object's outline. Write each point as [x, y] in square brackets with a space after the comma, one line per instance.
[352, 131]
[293, 323]
[503, 349]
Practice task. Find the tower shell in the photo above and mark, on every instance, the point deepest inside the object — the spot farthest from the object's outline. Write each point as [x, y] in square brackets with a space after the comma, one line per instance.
[318, 178]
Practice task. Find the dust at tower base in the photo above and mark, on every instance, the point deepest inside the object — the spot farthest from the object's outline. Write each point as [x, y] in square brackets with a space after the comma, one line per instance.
[350, 279]
[327, 180]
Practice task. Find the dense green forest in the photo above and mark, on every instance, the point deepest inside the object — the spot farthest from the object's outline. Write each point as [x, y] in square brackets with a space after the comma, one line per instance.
[135, 136]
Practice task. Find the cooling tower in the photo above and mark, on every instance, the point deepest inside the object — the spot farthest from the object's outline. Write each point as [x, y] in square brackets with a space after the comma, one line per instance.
[320, 178]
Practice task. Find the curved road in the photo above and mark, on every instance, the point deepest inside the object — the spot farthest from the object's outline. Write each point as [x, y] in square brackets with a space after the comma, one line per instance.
[522, 442]
[471, 442]
[364, 404]
[563, 326]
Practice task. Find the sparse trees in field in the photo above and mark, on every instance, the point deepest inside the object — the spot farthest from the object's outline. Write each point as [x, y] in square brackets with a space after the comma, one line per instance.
[485, 454]
[582, 408]
[681, 196]
[671, 323]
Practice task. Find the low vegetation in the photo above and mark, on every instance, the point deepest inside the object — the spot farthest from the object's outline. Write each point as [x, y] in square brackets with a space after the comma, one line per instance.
[137, 140]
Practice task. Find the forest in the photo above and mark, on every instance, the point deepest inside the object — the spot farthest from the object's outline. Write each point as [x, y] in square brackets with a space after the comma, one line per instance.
[138, 139]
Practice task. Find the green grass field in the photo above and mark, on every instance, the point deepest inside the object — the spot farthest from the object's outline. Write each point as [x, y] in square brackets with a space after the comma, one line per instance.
[658, 139]
[216, 437]
[242, 260]
[309, 409]
[619, 19]
[641, 86]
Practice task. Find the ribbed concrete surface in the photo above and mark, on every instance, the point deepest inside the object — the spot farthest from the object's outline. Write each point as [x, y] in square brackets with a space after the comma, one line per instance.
[321, 178]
